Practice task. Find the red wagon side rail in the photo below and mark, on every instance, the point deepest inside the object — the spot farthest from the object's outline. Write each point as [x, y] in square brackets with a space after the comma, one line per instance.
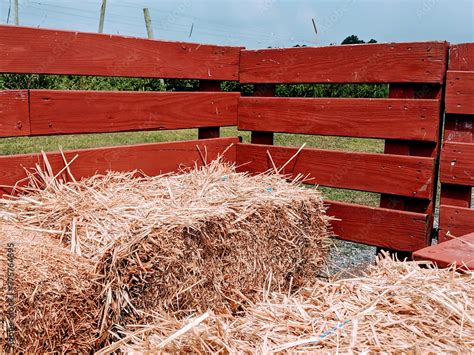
[409, 122]
[457, 156]
[53, 112]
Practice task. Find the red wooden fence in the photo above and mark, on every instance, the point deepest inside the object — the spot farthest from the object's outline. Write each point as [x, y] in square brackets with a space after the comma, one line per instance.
[409, 121]
[457, 156]
[51, 112]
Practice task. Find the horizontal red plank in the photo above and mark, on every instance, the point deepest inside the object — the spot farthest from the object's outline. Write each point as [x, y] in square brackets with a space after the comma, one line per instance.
[458, 252]
[460, 92]
[422, 62]
[64, 112]
[455, 220]
[457, 163]
[32, 50]
[384, 173]
[461, 57]
[385, 228]
[152, 159]
[14, 119]
[369, 118]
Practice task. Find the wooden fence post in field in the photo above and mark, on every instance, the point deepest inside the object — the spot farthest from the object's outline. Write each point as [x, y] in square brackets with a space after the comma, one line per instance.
[102, 16]
[149, 29]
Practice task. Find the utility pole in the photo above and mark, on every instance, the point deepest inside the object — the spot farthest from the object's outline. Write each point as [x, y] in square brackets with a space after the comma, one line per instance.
[17, 14]
[149, 29]
[102, 16]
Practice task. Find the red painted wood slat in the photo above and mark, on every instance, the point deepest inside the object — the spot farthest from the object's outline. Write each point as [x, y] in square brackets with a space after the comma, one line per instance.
[32, 50]
[422, 62]
[65, 112]
[152, 159]
[457, 163]
[460, 92]
[369, 118]
[456, 220]
[459, 251]
[399, 175]
[14, 120]
[461, 57]
[385, 228]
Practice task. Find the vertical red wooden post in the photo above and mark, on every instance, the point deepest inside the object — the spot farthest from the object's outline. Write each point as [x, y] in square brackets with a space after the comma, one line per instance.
[209, 132]
[424, 149]
[259, 137]
[458, 128]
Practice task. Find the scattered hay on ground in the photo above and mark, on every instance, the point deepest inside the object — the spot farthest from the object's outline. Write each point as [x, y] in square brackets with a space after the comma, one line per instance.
[50, 295]
[184, 243]
[398, 307]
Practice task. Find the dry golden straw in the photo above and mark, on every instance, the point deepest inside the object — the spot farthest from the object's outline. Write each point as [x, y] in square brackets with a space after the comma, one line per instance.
[54, 295]
[398, 308]
[202, 239]
[175, 263]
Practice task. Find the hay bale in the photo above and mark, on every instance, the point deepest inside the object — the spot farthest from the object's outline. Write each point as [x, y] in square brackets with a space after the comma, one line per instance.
[398, 308]
[187, 242]
[53, 295]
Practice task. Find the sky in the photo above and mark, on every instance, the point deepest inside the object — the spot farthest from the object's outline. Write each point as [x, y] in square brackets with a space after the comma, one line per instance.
[258, 23]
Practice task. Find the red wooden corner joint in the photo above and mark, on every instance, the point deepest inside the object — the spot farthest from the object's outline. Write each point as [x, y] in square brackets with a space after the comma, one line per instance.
[457, 251]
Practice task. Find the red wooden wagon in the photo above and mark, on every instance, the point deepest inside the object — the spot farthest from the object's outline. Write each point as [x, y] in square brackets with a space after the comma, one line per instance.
[410, 120]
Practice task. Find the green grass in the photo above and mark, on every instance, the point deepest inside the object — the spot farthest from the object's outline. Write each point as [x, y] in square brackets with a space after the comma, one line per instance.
[10, 146]
[19, 145]
[50, 143]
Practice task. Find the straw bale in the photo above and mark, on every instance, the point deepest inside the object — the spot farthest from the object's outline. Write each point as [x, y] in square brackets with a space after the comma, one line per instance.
[54, 306]
[186, 242]
[398, 308]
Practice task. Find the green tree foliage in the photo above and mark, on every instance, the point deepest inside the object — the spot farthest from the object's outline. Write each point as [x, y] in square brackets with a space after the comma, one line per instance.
[244, 89]
[353, 39]
[333, 90]
[75, 82]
